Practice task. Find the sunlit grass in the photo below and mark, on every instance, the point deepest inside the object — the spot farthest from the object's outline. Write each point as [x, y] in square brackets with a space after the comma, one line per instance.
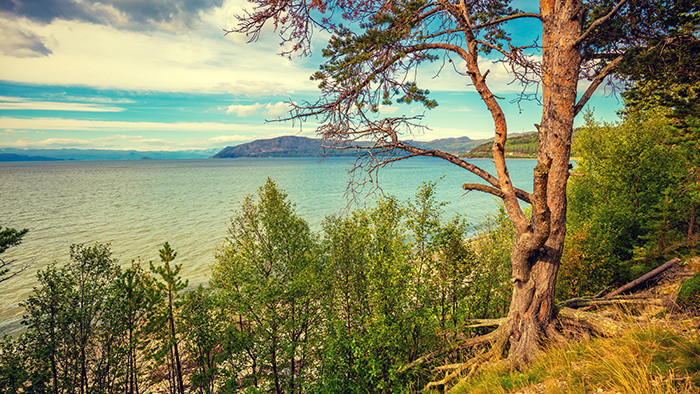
[646, 360]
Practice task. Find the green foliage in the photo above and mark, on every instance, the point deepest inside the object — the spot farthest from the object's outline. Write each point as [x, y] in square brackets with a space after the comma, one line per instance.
[518, 146]
[9, 237]
[489, 288]
[666, 74]
[268, 275]
[345, 313]
[135, 297]
[689, 294]
[628, 200]
[165, 350]
[85, 328]
[288, 311]
[373, 323]
[73, 339]
[14, 361]
[202, 326]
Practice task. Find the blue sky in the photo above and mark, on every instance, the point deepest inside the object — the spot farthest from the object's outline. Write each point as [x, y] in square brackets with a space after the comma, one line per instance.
[161, 75]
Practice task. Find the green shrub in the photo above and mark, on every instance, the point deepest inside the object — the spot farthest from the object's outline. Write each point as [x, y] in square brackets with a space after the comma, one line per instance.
[689, 294]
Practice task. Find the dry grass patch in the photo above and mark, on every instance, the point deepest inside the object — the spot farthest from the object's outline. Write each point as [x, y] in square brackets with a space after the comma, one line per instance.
[655, 359]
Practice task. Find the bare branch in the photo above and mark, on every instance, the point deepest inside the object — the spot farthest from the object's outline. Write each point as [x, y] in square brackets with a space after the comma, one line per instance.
[523, 195]
[596, 82]
[507, 18]
[599, 22]
[3, 269]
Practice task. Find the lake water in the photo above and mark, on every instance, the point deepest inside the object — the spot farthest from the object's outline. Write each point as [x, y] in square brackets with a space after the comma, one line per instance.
[138, 205]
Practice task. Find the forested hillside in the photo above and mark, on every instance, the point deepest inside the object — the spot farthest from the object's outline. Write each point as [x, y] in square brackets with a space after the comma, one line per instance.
[519, 145]
[293, 146]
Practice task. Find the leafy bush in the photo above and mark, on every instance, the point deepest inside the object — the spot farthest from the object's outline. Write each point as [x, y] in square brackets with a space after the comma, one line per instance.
[268, 276]
[689, 294]
[628, 200]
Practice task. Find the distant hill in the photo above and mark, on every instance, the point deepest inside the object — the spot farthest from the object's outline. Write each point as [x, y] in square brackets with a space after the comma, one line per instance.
[457, 146]
[293, 146]
[287, 146]
[518, 145]
[15, 157]
[107, 154]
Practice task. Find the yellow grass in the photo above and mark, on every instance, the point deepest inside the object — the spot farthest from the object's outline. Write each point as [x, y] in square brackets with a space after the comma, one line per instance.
[655, 359]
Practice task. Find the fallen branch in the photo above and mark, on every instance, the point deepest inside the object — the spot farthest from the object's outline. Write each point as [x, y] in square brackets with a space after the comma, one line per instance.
[587, 302]
[593, 322]
[643, 278]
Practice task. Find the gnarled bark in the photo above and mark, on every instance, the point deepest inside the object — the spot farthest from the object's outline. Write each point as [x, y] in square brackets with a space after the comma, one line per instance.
[537, 251]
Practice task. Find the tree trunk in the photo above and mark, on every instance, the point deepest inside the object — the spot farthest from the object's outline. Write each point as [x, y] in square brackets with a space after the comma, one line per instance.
[176, 354]
[537, 249]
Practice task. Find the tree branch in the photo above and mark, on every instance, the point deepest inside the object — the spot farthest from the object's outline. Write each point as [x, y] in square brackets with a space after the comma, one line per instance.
[505, 184]
[643, 278]
[523, 195]
[599, 22]
[507, 18]
[596, 82]
[476, 170]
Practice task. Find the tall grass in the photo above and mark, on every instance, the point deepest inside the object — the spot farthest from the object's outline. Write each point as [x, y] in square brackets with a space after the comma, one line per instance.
[655, 359]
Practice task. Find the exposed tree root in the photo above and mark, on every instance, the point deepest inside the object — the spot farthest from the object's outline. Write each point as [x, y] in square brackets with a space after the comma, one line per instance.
[479, 323]
[490, 338]
[568, 321]
[472, 365]
[573, 319]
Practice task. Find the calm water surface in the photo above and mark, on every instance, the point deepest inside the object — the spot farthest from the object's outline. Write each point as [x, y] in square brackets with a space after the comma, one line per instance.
[138, 205]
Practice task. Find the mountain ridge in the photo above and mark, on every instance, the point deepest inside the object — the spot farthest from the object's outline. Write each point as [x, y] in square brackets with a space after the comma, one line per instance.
[48, 154]
[296, 146]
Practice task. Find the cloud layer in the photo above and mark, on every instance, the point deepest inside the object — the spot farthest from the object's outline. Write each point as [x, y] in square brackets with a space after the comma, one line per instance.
[137, 15]
[271, 110]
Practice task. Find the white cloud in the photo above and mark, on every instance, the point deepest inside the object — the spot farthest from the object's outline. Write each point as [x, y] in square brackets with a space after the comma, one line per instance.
[20, 43]
[49, 142]
[55, 124]
[243, 110]
[101, 56]
[277, 109]
[135, 142]
[16, 103]
[273, 110]
[388, 109]
[231, 138]
[100, 100]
